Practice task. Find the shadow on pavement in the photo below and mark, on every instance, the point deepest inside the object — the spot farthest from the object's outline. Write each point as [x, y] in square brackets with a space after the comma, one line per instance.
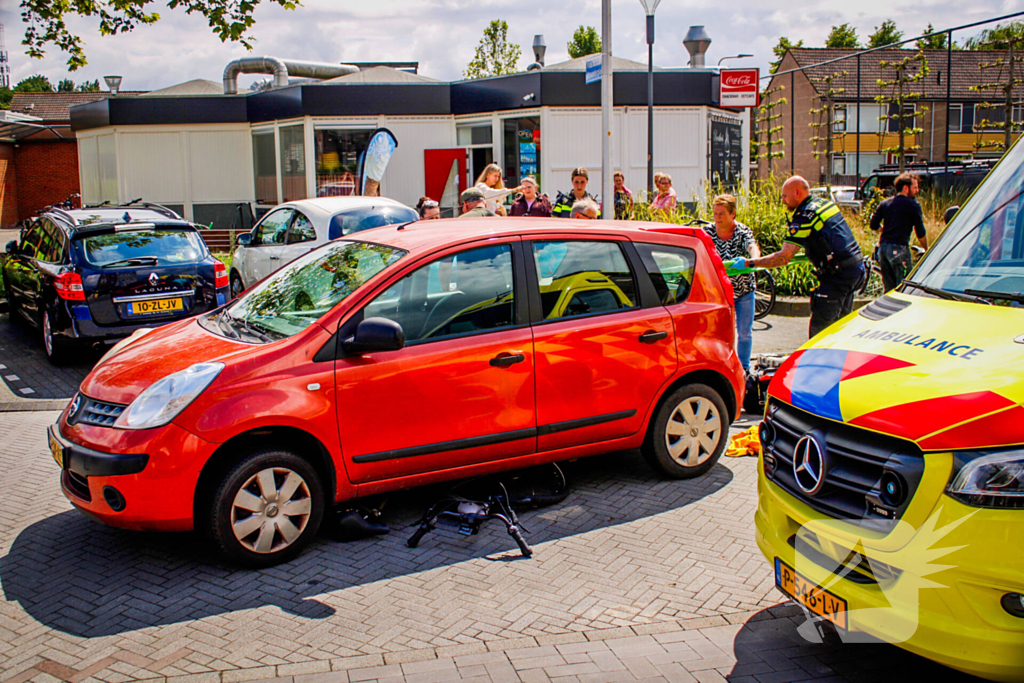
[90, 580]
[770, 647]
[23, 357]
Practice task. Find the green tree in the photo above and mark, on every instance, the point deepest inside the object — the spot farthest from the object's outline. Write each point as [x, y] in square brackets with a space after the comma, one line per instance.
[46, 21]
[886, 34]
[37, 83]
[585, 41]
[1005, 69]
[66, 85]
[89, 86]
[897, 97]
[495, 56]
[936, 41]
[997, 38]
[784, 45]
[5, 98]
[843, 35]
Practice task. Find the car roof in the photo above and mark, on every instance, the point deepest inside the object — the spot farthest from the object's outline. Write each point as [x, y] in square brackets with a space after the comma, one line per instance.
[328, 206]
[108, 215]
[423, 235]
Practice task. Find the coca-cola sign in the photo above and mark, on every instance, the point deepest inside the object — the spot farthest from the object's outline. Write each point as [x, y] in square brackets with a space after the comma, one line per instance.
[738, 87]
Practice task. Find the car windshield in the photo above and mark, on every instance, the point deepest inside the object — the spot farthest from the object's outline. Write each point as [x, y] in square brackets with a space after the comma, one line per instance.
[981, 252]
[357, 220]
[298, 294]
[156, 246]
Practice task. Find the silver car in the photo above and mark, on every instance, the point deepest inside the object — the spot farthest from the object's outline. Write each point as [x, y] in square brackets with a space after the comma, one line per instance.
[845, 196]
[292, 229]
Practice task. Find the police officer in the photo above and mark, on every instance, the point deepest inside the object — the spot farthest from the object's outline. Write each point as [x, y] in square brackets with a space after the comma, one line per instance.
[563, 207]
[820, 229]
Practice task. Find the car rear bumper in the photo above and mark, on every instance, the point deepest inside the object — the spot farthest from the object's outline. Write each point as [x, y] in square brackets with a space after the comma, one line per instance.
[76, 322]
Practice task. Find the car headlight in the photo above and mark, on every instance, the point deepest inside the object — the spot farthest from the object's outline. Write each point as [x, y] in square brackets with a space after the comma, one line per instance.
[989, 479]
[166, 398]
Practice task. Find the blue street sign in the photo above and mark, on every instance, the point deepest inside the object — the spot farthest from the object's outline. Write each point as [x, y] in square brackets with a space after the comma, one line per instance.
[593, 70]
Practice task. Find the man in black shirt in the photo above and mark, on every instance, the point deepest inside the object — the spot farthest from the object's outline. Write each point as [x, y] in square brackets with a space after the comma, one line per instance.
[897, 216]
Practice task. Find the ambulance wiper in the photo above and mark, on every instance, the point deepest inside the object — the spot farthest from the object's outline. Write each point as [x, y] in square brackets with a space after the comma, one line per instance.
[1007, 296]
[946, 294]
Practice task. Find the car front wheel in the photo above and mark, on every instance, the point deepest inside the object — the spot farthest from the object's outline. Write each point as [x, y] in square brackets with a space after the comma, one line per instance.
[237, 286]
[266, 509]
[689, 432]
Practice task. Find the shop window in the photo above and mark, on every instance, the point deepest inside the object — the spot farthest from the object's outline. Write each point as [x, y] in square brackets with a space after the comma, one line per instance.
[265, 167]
[293, 162]
[478, 134]
[522, 149]
[337, 161]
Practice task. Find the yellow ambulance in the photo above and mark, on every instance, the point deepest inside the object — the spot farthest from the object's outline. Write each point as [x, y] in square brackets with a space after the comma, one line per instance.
[891, 480]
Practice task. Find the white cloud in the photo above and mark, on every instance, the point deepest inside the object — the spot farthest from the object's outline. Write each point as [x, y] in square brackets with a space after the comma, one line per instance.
[442, 34]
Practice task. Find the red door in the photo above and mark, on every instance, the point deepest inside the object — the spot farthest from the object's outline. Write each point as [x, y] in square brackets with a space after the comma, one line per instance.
[601, 359]
[444, 174]
[461, 392]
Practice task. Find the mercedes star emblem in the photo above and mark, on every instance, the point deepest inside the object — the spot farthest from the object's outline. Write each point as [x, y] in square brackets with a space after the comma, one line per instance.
[809, 465]
[153, 279]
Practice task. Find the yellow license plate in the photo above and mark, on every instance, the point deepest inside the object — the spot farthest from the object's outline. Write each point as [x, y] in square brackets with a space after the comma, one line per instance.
[56, 450]
[817, 599]
[158, 306]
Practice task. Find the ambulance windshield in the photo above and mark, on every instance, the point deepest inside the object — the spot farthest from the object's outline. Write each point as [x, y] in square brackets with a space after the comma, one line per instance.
[981, 253]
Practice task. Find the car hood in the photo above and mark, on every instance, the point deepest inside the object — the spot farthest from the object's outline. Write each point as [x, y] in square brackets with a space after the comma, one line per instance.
[121, 376]
[943, 374]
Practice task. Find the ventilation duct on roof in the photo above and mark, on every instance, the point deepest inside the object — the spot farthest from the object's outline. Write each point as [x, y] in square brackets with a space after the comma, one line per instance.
[281, 69]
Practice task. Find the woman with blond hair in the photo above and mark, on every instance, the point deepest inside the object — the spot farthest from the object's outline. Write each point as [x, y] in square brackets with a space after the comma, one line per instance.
[490, 183]
[733, 239]
[666, 197]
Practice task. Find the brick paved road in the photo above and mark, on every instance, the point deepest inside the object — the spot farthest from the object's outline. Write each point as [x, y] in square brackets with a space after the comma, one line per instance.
[25, 370]
[633, 578]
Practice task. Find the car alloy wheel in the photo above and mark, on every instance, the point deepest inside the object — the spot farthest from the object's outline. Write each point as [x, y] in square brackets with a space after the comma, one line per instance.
[688, 433]
[271, 510]
[47, 335]
[693, 431]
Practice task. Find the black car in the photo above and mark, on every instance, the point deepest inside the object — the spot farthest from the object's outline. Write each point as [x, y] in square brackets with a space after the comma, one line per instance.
[97, 275]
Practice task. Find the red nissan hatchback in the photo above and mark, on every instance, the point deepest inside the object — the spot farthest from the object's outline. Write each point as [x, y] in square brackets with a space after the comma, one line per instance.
[418, 353]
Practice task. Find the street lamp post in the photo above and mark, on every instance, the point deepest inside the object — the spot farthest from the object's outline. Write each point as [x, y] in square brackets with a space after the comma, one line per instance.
[649, 7]
[733, 57]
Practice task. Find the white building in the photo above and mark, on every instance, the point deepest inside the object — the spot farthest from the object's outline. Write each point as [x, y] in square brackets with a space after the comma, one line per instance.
[202, 152]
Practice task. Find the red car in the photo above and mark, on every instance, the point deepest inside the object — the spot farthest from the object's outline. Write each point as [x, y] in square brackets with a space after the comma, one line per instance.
[418, 353]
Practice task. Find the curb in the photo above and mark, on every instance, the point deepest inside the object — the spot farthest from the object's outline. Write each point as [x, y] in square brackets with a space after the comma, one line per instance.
[800, 306]
[33, 405]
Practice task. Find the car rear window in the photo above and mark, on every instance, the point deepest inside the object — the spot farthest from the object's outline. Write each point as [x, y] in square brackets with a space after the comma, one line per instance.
[167, 246]
[348, 222]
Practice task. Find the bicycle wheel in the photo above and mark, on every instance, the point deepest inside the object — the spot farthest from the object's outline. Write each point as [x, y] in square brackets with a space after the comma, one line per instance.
[872, 287]
[764, 296]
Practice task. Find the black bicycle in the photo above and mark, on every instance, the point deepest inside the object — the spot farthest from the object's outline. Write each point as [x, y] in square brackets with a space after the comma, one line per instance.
[469, 505]
[873, 286]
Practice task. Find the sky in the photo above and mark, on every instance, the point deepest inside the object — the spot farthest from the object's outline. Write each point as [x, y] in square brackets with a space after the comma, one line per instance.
[442, 34]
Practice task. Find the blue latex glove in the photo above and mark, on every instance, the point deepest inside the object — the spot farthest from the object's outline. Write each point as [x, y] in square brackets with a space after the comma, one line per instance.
[738, 263]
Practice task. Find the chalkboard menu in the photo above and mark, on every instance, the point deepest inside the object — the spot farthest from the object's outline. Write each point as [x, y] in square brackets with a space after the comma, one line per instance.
[726, 167]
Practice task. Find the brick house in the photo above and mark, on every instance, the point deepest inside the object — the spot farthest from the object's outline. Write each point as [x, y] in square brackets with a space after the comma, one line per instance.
[39, 160]
[802, 90]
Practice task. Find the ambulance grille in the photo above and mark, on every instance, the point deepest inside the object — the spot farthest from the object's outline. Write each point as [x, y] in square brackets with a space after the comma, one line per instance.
[883, 307]
[859, 466]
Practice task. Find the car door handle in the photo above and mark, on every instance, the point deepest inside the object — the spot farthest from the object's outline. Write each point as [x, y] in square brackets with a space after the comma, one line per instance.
[650, 336]
[505, 359]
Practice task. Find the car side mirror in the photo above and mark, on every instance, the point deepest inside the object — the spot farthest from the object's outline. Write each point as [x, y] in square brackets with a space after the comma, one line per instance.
[244, 240]
[12, 247]
[950, 212]
[374, 334]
